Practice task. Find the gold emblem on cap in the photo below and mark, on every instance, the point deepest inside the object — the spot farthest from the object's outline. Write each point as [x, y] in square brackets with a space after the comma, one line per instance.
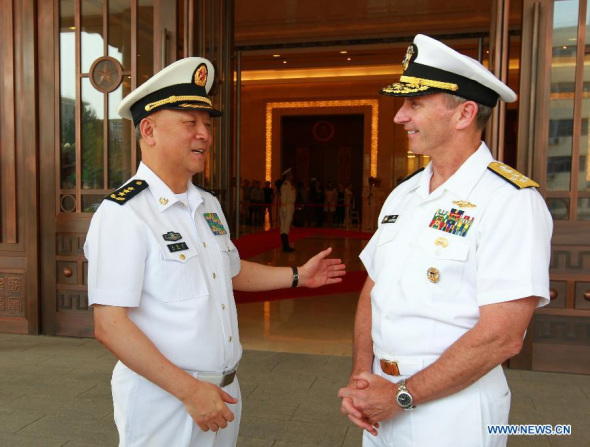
[409, 54]
[464, 204]
[163, 201]
[441, 242]
[201, 75]
[433, 275]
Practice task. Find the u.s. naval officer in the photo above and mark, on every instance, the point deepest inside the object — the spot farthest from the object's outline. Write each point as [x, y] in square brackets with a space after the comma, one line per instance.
[457, 266]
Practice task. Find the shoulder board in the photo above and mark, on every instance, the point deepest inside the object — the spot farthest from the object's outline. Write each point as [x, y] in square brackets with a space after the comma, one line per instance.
[512, 176]
[410, 176]
[207, 190]
[127, 192]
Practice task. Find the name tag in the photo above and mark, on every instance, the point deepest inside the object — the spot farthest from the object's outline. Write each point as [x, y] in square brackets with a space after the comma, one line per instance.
[390, 219]
[177, 247]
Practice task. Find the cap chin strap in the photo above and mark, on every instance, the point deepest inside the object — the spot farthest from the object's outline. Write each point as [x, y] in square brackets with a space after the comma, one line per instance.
[173, 99]
[430, 83]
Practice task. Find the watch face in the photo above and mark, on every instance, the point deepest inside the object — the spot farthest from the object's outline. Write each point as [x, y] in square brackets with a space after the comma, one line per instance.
[404, 400]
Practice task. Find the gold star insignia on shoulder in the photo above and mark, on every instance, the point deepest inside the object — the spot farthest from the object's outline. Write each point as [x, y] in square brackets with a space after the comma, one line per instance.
[512, 176]
[127, 191]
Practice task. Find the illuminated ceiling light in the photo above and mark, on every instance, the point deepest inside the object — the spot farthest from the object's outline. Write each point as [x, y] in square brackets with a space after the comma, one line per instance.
[276, 55]
[565, 47]
[72, 28]
[284, 62]
[343, 52]
[348, 59]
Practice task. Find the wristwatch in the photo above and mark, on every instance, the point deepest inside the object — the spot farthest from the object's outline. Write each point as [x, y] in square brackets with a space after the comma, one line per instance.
[403, 397]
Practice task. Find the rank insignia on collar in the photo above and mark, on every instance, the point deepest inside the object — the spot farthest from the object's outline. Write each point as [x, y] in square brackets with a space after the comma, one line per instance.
[452, 222]
[127, 191]
[390, 219]
[177, 247]
[172, 236]
[215, 224]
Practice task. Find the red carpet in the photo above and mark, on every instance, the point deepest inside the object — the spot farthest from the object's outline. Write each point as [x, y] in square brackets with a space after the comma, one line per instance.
[351, 283]
[253, 244]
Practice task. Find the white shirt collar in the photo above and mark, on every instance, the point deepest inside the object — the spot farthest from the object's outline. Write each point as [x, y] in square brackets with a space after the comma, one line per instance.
[462, 182]
[161, 192]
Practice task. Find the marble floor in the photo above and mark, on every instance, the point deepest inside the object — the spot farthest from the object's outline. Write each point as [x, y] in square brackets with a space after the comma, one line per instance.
[320, 324]
[55, 391]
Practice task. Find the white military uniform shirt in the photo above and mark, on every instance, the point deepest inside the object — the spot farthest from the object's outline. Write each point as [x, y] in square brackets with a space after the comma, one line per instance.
[479, 239]
[435, 259]
[171, 263]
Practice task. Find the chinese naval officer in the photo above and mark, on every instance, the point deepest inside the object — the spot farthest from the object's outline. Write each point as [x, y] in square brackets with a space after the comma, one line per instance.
[162, 270]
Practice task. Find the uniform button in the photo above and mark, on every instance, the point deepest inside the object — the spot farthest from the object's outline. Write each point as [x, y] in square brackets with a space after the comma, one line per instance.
[182, 257]
[230, 339]
[214, 276]
[181, 203]
[163, 201]
[223, 306]
[204, 245]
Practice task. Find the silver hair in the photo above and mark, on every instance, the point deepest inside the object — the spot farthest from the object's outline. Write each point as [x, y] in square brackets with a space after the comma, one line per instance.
[483, 112]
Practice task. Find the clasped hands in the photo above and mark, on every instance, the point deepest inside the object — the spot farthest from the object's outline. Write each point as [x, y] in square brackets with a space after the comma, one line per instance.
[369, 399]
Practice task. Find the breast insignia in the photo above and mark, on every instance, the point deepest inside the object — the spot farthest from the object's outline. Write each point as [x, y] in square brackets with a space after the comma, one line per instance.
[127, 192]
[512, 176]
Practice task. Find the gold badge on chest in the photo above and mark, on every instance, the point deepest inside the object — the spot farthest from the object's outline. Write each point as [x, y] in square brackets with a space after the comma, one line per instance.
[433, 275]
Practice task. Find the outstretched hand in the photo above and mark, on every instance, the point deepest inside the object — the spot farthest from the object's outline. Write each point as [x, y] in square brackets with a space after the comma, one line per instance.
[321, 270]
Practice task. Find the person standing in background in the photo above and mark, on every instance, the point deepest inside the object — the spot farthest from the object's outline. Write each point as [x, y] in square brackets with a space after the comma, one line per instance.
[287, 198]
[269, 196]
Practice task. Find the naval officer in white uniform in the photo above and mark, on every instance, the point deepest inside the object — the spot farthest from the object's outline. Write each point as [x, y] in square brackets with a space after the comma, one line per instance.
[457, 267]
[161, 270]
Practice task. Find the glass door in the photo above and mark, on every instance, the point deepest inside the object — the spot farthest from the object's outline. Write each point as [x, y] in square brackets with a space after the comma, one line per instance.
[555, 98]
[106, 48]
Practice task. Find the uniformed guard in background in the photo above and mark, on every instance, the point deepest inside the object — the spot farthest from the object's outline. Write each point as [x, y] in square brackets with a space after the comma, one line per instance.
[287, 198]
[457, 266]
[161, 269]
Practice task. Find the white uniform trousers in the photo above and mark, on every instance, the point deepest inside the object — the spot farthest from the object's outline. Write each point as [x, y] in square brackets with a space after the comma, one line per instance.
[286, 217]
[459, 420]
[148, 416]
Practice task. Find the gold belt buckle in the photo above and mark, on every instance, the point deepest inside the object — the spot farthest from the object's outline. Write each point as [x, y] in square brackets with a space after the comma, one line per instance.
[389, 367]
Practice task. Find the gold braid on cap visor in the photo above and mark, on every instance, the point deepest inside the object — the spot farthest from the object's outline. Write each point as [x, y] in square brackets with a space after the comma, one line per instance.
[173, 99]
[429, 83]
